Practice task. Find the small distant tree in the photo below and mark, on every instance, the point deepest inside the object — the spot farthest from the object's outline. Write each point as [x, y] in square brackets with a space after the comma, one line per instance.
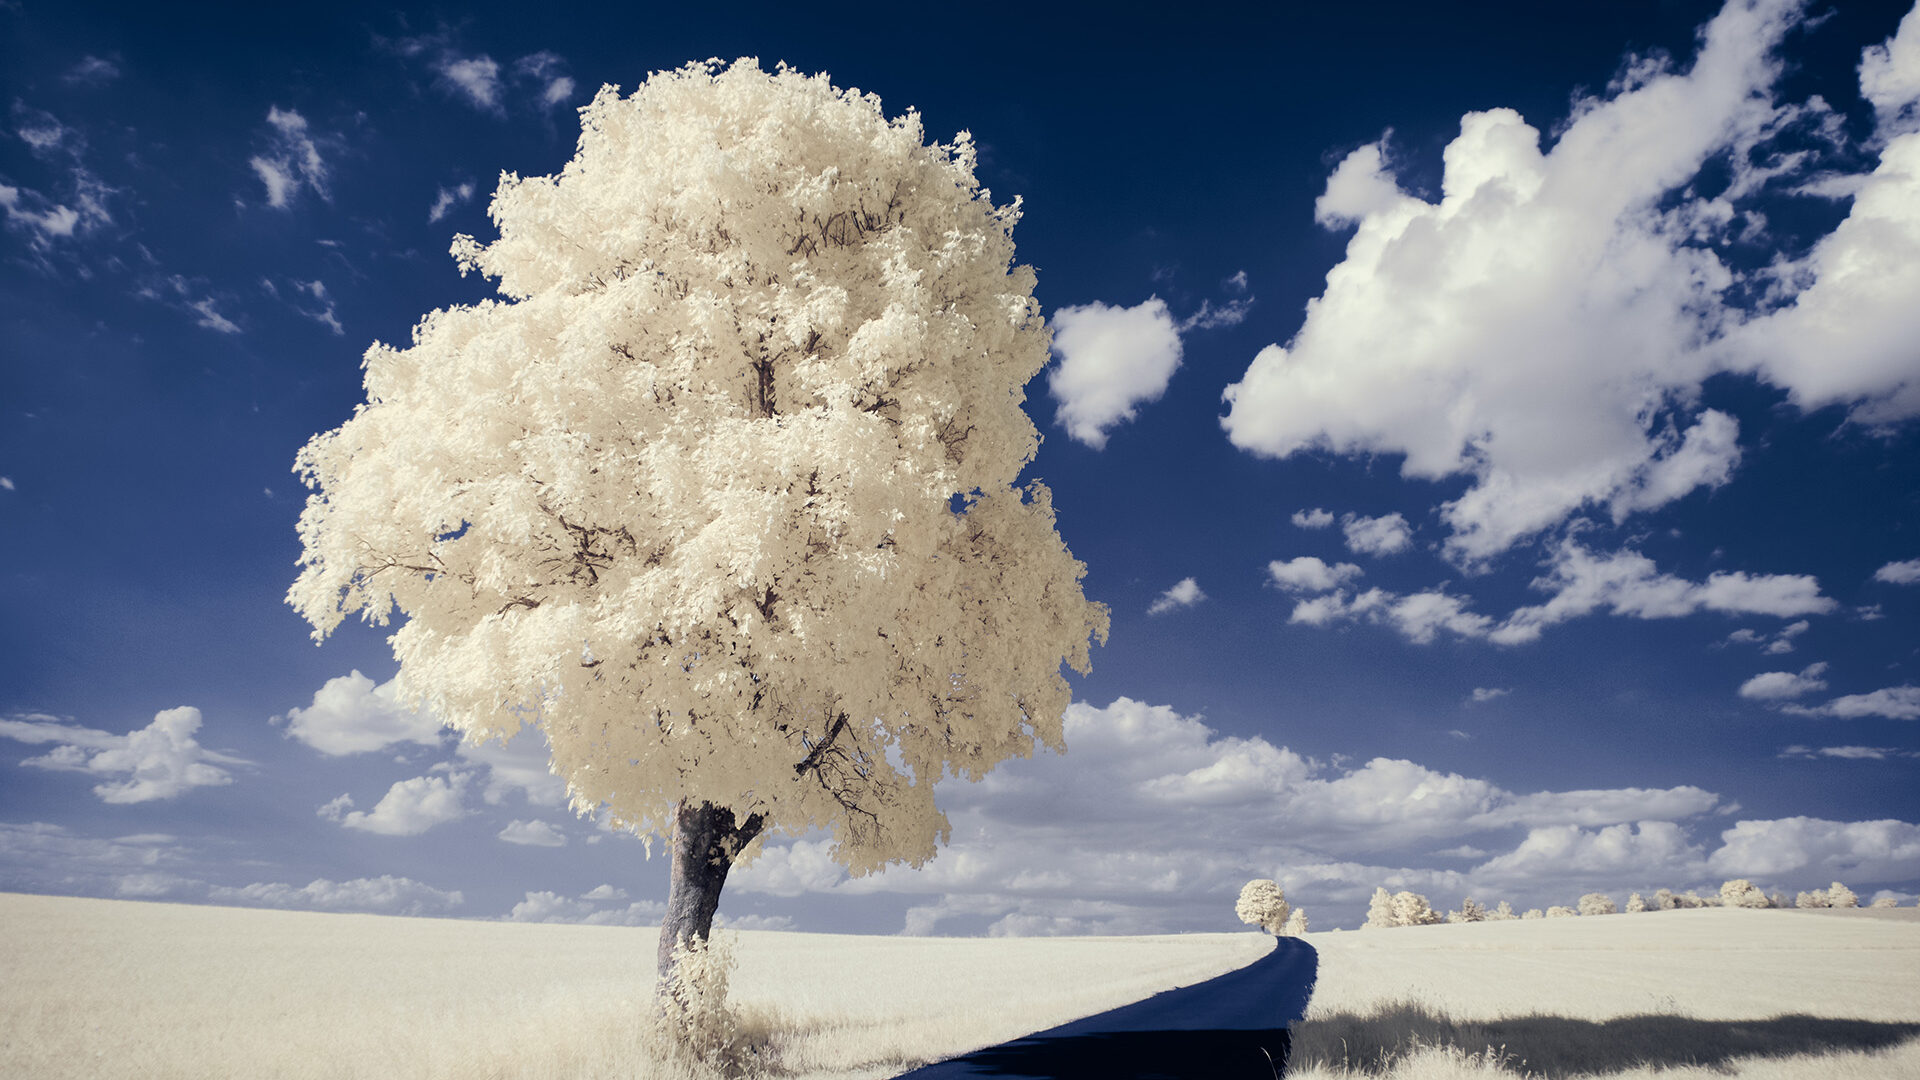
[1296, 923]
[1379, 910]
[1263, 904]
[1839, 895]
[1595, 903]
[1815, 898]
[1534, 913]
[1470, 912]
[1636, 903]
[1502, 913]
[1560, 912]
[1412, 909]
[723, 494]
[1665, 900]
[1741, 893]
[1779, 900]
[1692, 899]
[1885, 902]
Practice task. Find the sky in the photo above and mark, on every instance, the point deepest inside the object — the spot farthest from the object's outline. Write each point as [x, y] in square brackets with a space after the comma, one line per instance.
[1494, 433]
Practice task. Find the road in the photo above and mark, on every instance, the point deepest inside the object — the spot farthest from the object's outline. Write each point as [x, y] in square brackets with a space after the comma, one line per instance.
[1225, 1028]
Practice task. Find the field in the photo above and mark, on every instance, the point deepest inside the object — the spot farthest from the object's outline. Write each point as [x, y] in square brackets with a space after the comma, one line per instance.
[113, 988]
[1609, 996]
[103, 988]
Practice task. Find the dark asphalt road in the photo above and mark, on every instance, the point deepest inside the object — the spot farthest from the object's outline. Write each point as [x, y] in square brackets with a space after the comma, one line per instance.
[1223, 1029]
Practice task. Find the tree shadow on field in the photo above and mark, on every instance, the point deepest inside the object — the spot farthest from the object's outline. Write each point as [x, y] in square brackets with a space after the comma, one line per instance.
[1557, 1046]
[1227, 1028]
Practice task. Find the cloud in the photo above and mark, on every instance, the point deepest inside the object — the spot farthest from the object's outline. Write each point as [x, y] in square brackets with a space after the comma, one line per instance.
[1310, 575]
[1419, 617]
[1648, 850]
[1899, 573]
[1627, 583]
[1315, 518]
[409, 808]
[1483, 694]
[1232, 313]
[81, 203]
[1848, 753]
[545, 71]
[1890, 78]
[159, 761]
[1185, 593]
[604, 892]
[43, 857]
[1891, 703]
[1544, 329]
[550, 907]
[520, 764]
[475, 78]
[534, 833]
[291, 161]
[350, 715]
[1112, 359]
[1780, 685]
[1163, 811]
[92, 71]
[385, 894]
[1812, 848]
[447, 199]
[1384, 535]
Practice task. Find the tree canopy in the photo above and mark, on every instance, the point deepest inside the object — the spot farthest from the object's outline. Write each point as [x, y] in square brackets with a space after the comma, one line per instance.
[723, 495]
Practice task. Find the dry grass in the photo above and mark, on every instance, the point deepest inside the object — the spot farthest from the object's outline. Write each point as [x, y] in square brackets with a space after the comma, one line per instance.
[1757, 994]
[108, 988]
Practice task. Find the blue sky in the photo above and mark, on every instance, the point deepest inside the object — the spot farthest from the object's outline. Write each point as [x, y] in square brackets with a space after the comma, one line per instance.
[1495, 438]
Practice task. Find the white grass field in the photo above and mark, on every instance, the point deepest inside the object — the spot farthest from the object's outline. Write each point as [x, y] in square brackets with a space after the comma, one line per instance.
[105, 988]
[113, 988]
[1669, 987]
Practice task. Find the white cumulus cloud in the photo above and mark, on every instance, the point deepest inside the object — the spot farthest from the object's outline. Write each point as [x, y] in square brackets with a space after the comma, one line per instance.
[350, 715]
[385, 894]
[1315, 518]
[1310, 575]
[1780, 685]
[1383, 535]
[1185, 593]
[1544, 328]
[1899, 573]
[1891, 703]
[1813, 848]
[409, 808]
[1112, 359]
[534, 833]
[159, 761]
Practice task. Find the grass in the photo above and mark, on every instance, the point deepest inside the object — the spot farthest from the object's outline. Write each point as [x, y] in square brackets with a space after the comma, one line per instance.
[1682, 994]
[108, 989]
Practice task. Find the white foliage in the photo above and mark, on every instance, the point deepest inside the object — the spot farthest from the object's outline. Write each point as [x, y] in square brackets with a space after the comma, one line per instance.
[1412, 909]
[1263, 904]
[1597, 904]
[686, 498]
[1741, 893]
[1839, 895]
[1559, 911]
[1379, 910]
[1297, 923]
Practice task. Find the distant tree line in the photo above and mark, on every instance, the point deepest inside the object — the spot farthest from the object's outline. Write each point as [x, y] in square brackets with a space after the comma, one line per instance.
[1412, 909]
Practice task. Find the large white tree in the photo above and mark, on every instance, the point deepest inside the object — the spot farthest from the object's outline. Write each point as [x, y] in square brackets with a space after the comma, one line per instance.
[722, 494]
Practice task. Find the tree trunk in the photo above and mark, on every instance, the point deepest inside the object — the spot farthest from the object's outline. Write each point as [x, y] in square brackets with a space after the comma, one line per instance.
[706, 840]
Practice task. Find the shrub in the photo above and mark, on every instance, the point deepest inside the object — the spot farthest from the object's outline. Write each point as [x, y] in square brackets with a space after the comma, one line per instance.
[1597, 903]
[1534, 913]
[1741, 893]
[1296, 923]
[1263, 904]
[1885, 902]
[1839, 895]
[1815, 899]
[1665, 900]
[1561, 912]
[1636, 903]
[694, 1015]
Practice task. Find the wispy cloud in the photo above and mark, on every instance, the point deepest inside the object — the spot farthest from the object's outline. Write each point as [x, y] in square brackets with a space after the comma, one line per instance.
[1184, 594]
[291, 161]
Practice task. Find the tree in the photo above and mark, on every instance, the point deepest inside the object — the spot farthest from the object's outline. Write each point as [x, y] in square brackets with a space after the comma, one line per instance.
[1596, 903]
[1379, 910]
[1559, 911]
[1885, 902]
[1502, 912]
[1636, 903]
[1839, 895]
[1412, 909]
[1815, 899]
[1741, 893]
[1297, 923]
[721, 496]
[1470, 911]
[1263, 904]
